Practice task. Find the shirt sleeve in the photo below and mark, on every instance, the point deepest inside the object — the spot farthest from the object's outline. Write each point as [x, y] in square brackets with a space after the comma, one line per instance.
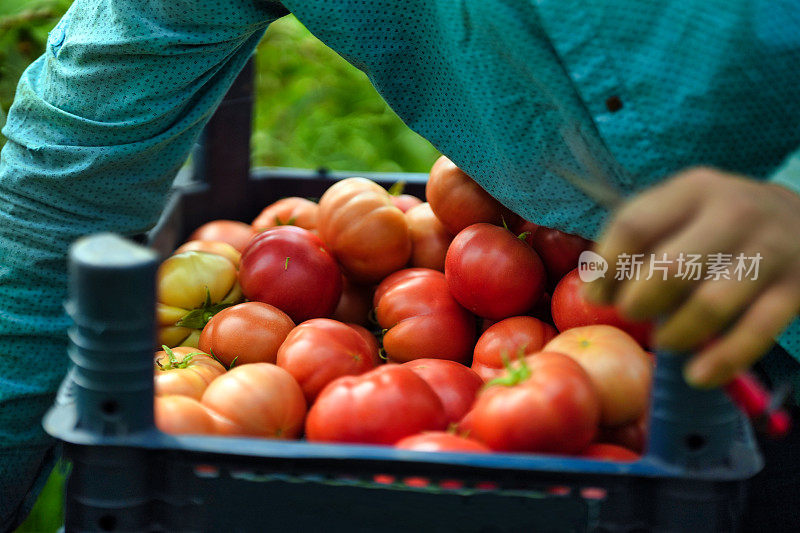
[788, 175]
[98, 129]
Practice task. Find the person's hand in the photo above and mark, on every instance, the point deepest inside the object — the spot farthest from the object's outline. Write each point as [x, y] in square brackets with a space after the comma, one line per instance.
[729, 323]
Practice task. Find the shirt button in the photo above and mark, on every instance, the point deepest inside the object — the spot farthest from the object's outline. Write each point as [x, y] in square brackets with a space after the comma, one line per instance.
[613, 103]
[57, 37]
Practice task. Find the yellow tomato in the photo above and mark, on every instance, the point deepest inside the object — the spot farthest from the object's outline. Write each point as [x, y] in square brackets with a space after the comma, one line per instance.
[192, 287]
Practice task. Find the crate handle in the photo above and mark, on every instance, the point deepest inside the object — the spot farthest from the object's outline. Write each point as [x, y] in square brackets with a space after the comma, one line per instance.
[112, 300]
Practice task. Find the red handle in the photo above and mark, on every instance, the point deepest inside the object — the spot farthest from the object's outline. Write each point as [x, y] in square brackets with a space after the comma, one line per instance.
[756, 401]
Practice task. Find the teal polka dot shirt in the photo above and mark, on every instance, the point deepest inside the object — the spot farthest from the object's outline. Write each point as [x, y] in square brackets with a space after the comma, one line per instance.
[104, 119]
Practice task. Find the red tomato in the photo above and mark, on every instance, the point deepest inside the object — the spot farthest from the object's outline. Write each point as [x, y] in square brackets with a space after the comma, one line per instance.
[547, 405]
[397, 277]
[559, 251]
[632, 435]
[404, 202]
[430, 239]
[525, 230]
[185, 371]
[368, 337]
[514, 337]
[441, 441]
[292, 211]
[213, 247]
[250, 332]
[459, 201]
[320, 350]
[235, 233]
[355, 304]
[455, 384]
[366, 233]
[263, 399]
[464, 426]
[570, 310]
[609, 452]
[180, 415]
[492, 273]
[421, 318]
[541, 309]
[620, 369]
[379, 407]
[289, 267]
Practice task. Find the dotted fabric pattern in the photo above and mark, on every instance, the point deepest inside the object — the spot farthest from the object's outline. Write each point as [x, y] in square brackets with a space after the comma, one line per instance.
[99, 127]
[102, 121]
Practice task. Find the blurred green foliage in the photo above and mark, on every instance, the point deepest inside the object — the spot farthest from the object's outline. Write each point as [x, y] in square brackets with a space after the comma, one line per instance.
[312, 109]
[24, 25]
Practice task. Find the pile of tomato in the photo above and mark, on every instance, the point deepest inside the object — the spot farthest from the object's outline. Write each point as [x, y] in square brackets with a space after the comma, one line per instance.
[375, 318]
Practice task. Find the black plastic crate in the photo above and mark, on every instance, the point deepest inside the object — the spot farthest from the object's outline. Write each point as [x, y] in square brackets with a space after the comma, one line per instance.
[127, 476]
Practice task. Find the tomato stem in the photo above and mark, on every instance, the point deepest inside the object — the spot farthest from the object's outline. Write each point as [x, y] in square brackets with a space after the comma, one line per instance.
[514, 374]
[173, 360]
[290, 222]
[397, 188]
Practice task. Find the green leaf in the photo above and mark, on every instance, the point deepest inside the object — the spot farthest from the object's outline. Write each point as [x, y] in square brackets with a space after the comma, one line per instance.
[291, 222]
[198, 318]
[397, 188]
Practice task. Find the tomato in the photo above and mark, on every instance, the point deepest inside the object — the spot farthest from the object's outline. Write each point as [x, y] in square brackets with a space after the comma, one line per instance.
[559, 251]
[185, 371]
[355, 303]
[620, 369]
[429, 238]
[570, 310]
[193, 287]
[320, 350]
[493, 273]
[235, 233]
[379, 407]
[290, 268]
[441, 441]
[397, 277]
[525, 230]
[366, 233]
[547, 404]
[291, 211]
[632, 435]
[368, 337]
[421, 318]
[609, 452]
[213, 247]
[513, 337]
[459, 201]
[225, 427]
[404, 202]
[455, 384]
[179, 415]
[541, 309]
[263, 399]
[250, 332]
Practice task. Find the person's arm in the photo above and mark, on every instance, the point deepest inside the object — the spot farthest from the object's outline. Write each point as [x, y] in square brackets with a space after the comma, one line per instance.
[728, 323]
[99, 127]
